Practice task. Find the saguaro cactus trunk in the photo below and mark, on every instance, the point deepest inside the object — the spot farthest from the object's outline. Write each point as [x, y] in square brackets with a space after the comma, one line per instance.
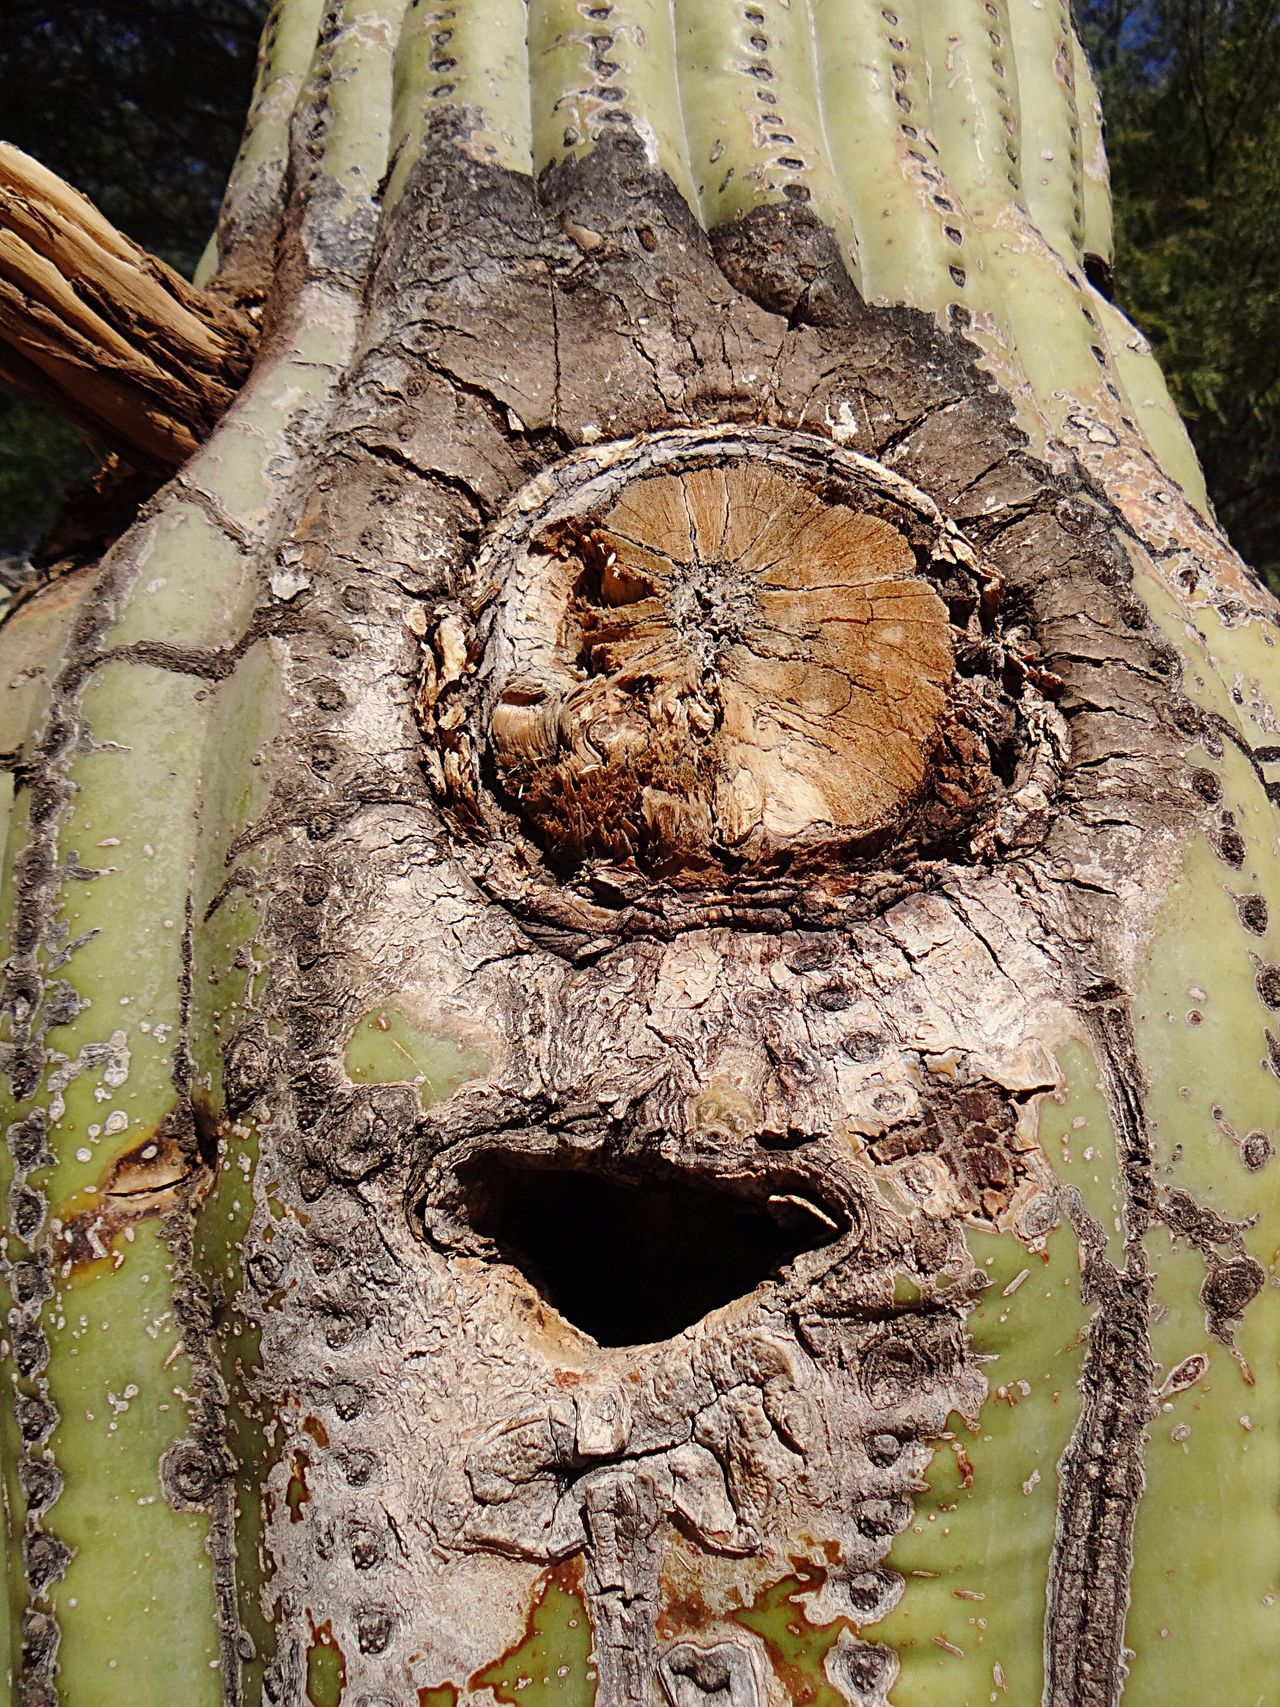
[642, 954]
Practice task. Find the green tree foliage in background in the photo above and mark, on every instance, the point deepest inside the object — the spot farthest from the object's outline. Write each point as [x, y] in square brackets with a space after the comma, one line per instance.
[140, 102]
[1193, 133]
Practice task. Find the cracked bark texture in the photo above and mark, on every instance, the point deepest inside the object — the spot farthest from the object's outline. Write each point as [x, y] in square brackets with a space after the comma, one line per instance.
[887, 1150]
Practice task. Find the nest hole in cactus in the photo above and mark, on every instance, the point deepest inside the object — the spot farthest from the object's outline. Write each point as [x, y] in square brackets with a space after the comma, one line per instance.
[632, 1260]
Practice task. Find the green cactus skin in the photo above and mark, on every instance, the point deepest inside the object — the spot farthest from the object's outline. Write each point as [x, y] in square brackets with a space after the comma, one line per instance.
[975, 1557]
[955, 152]
[254, 204]
[168, 781]
[553, 1661]
[386, 1048]
[903, 132]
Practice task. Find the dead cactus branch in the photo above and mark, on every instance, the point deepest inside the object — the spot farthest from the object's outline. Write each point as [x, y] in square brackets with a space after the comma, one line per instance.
[94, 327]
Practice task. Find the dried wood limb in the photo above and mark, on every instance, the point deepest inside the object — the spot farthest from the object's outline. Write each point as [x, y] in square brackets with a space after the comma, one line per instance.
[94, 327]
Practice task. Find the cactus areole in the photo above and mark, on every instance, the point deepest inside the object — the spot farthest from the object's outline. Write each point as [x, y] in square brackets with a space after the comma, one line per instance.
[643, 980]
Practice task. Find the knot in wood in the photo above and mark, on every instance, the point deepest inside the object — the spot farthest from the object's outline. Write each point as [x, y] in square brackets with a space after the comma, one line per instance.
[708, 652]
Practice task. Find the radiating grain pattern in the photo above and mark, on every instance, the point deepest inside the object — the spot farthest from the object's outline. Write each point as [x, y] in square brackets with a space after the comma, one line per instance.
[741, 667]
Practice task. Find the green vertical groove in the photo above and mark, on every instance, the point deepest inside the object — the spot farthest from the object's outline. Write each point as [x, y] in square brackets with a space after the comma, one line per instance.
[1200, 1025]
[973, 104]
[1095, 183]
[255, 188]
[874, 92]
[137, 1600]
[976, 1553]
[975, 117]
[758, 74]
[355, 67]
[465, 57]
[1052, 166]
[32, 648]
[13, 1587]
[13, 1591]
[645, 48]
[594, 68]
[116, 1371]
[566, 93]
[953, 147]
[752, 111]
[136, 1605]
[225, 991]
[122, 826]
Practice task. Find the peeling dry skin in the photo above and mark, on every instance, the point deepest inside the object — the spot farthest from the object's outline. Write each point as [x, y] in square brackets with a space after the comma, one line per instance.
[673, 777]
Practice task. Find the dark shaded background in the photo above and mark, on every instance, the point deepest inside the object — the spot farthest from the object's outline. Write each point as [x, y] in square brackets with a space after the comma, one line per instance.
[139, 103]
[1191, 90]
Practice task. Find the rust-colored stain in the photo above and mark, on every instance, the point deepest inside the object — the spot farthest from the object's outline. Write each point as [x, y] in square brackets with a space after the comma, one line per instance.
[316, 1429]
[964, 1465]
[551, 1664]
[566, 1379]
[796, 1648]
[326, 1667]
[298, 1493]
[683, 1614]
[149, 1180]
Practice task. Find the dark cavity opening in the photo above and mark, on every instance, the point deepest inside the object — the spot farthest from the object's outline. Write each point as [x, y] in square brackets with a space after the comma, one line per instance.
[633, 1261]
